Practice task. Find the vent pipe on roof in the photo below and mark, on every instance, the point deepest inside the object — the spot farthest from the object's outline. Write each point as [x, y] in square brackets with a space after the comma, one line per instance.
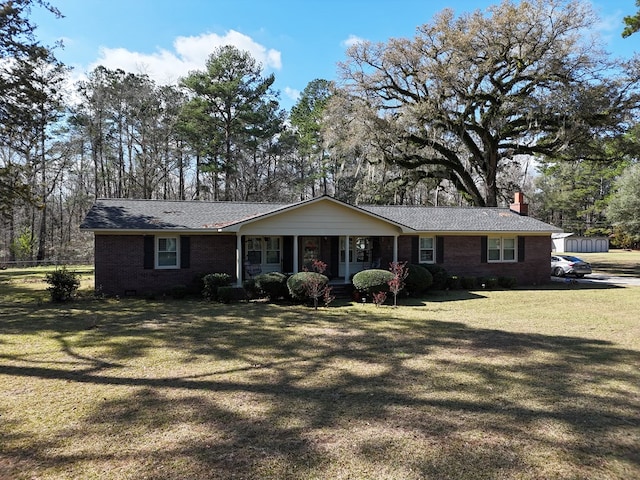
[518, 205]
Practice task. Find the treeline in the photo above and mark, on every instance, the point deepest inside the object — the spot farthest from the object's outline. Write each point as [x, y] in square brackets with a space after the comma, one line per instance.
[219, 135]
[450, 117]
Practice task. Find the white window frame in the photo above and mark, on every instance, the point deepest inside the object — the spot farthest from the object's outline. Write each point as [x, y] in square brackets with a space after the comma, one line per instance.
[158, 252]
[268, 242]
[499, 245]
[360, 249]
[254, 244]
[432, 249]
[262, 244]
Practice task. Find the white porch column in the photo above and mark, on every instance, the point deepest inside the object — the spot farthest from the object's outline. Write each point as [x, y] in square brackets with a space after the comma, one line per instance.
[347, 255]
[295, 254]
[238, 259]
[395, 248]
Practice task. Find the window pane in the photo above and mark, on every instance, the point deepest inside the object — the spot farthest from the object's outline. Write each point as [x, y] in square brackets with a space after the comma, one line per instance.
[167, 252]
[166, 244]
[494, 244]
[167, 259]
[426, 256]
[509, 255]
[273, 256]
[509, 243]
[426, 242]
[494, 254]
[254, 243]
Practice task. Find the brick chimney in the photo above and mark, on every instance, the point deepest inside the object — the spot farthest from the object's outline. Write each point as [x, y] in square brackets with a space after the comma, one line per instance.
[518, 205]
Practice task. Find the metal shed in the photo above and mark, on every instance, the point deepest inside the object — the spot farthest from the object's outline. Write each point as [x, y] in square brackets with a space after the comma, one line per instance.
[569, 242]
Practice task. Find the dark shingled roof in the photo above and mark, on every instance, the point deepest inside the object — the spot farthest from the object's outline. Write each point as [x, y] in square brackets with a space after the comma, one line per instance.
[107, 214]
[460, 219]
[125, 214]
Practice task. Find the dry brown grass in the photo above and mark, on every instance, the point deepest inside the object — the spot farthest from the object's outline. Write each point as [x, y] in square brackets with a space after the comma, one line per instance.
[524, 384]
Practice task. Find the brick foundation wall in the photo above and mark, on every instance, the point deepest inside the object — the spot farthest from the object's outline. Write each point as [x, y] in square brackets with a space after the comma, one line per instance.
[119, 268]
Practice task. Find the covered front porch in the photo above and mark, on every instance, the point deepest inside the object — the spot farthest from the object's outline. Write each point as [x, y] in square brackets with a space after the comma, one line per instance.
[346, 238]
[344, 255]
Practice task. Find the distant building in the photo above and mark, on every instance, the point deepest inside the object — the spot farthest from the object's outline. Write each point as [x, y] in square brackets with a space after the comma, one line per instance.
[569, 242]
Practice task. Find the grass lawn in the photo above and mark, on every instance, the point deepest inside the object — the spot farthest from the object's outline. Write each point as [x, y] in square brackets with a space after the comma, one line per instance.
[537, 383]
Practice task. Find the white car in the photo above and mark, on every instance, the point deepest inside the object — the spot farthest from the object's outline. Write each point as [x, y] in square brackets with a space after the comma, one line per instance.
[562, 265]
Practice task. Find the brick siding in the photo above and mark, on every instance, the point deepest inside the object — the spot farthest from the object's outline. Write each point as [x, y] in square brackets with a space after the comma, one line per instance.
[119, 266]
[462, 257]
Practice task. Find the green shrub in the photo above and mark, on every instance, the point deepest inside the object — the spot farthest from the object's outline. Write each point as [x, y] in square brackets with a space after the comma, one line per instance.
[490, 283]
[439, 275]
[468, 283]
[304, 285]
[418, 280]
[454, 282]
[272, 284]
[231, 293]
[507, 282]
[212, 282]
[63, 284]
[250, 288]
[373, 280]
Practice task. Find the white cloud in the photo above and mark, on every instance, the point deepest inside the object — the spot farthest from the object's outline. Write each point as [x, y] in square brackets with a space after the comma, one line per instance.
[292, 93]
[352, 40]
[189, 53]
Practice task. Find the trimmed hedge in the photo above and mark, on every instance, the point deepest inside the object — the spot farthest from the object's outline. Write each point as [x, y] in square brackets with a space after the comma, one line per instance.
[272, 284]
[490, 283]
[418, 280]
[454, 282]
[373, 280]
[298, 284]
[507, 282]
[469, 283]
[212, 282]
[250, 288]
[439, 275]
[231, 293]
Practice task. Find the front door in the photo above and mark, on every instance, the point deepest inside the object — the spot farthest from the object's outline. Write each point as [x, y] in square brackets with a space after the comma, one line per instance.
[358, 253]
[310, 251]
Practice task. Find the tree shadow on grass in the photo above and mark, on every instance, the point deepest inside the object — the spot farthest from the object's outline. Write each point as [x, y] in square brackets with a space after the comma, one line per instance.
[265, 391]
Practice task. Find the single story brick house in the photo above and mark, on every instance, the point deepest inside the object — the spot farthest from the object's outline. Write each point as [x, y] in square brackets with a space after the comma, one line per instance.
[146, 246]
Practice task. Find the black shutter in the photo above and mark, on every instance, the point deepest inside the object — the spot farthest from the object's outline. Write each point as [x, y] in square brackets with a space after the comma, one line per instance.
[415, 250]
[521, 249]
[439, 249]
[483, 249]
[185, 252]
[149, 251]
[287, 254]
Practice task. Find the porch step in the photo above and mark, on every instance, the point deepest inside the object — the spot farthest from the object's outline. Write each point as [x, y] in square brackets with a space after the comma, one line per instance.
[341, 290]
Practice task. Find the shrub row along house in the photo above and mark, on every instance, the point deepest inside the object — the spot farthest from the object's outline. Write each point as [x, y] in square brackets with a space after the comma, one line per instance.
[151, 246]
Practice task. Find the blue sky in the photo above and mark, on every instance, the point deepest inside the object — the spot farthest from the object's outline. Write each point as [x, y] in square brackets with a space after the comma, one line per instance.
[297, 41]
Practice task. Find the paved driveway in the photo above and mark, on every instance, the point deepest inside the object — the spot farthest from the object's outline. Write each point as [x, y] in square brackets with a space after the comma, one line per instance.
[602, 279]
